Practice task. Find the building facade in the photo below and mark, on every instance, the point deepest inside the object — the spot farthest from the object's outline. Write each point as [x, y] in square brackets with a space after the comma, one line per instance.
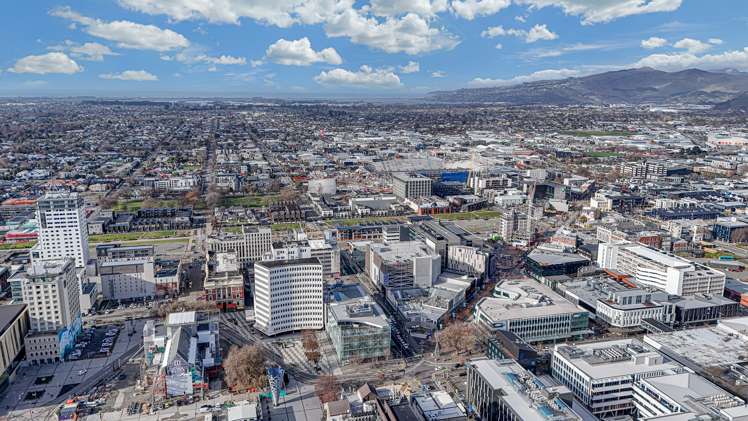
[407, 186]
[63, 231]
[289, 295]
[249, 246]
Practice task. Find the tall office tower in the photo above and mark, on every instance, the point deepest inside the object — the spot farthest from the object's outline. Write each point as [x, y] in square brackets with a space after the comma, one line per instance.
[51, 292]
[63, 231]
[289, 295]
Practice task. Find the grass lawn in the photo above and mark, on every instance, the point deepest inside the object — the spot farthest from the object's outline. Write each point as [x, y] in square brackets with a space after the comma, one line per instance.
[590, 133]
[481, 214]
[248, 201]
[132, 236]
[17, 246]
[358, 221]
[717, 253]
[134, 205]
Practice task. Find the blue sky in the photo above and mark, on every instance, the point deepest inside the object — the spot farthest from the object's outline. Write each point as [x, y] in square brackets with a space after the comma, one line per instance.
[350, 47]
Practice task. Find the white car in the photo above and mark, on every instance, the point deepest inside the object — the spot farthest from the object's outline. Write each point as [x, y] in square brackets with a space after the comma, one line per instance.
[82, 372]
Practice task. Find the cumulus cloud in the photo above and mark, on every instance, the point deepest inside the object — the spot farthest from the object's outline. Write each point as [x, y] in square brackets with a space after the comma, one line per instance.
[136, 75]
[600, 11]
[278, 12]
[411, 67]
[125, 33]
[410, 34]
[55, 62]
[550, 74]
[470, 9]
[401, 7]
[300, 53]
[715, 41]
[536, 33]
[653, 42]
[364, 77]
[736, 59]
[693, 46]
[438, 74]
[197, 56]
[91, 51]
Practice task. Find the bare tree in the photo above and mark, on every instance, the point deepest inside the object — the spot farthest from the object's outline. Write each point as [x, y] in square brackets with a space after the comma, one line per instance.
[177, 306]
[244, 368]
[327, 388]
[459, 337]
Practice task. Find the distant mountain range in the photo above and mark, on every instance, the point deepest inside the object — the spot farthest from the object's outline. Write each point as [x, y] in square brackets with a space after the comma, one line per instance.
[632, 86]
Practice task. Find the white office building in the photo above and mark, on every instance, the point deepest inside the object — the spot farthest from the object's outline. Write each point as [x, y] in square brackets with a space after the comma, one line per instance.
[249, 246]
[51, 292]
[408, 186]
[653, 268]
[601, 374]
[532, 311]
[405, 264]
[327, 253]
[289, 295]
[126, 272]
[63, 230]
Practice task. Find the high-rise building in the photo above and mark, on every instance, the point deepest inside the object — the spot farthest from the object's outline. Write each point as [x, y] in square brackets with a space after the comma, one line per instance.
[63, 231]
[52, 295]
[402, 265]
[289, 295]
[327, 253]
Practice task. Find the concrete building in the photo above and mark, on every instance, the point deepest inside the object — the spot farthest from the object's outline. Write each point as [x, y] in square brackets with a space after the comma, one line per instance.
[468, 260]
[667, 272]
[14, 325]
[289, 295]
[326, 252]
[52, 294]
[402, 265]
[601, 374]
[126, 273]
[532, 311]
[63, 231]
[249, 246]
[515, 226]
[357, 326]
[407, 186]
[685, 396]
[501, 390]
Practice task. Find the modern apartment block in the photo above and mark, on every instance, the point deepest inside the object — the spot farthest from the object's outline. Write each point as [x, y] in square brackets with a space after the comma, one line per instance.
[601, 374]
[289, 295]
[52, 295]
[408, 186]
[357, 326]
[667, 272]
[501, 390]
[249, 246]
[402, 265]
[531, 311]
[63, 231]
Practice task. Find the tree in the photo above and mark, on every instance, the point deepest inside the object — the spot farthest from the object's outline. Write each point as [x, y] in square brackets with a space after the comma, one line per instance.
[311, 346]
[327, 388]
[459, 336]
[190, 198]
[214, 197]
[177, 306]
[288, 194]
[244, 368]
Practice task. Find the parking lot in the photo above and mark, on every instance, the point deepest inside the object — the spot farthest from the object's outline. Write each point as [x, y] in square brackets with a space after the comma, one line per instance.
[95, 342]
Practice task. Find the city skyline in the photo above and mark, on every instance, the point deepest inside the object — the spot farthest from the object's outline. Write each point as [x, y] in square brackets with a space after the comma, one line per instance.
[376, 48]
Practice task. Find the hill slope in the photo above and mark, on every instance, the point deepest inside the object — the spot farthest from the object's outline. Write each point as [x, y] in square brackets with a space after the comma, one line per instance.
[632, 86]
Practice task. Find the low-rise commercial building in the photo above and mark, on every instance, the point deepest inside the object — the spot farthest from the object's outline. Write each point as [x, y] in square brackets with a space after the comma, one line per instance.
[402, 265]
[224, 281]
[357, 326]
[14, 325]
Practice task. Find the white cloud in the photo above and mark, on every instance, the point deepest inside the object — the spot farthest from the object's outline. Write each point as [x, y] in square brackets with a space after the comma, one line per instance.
[364, 77]
[125, 33]
[410, 34]
[91, 51]
[600, 11]
[411, 67]
[499, 46]
[574, 48]
[653, 42]
[300, 53]
[54, 62]
[277, 12]
[691, 45]
[540, 32]
[401, 7]
[470, 9]
[736, 59]
[196, 56]
[550, 74]
[438, 74]
[536, 33]
[715, 41]
[136, 75]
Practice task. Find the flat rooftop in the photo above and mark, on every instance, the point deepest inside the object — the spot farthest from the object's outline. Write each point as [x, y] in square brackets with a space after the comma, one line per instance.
[625, 357]
[524, 299]
[403, 250]
[659, 257]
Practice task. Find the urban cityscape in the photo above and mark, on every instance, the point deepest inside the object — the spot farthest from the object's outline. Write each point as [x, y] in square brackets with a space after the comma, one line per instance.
[539, 246]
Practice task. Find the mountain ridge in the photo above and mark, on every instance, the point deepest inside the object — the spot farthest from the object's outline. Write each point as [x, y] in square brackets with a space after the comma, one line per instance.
[629, 86]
